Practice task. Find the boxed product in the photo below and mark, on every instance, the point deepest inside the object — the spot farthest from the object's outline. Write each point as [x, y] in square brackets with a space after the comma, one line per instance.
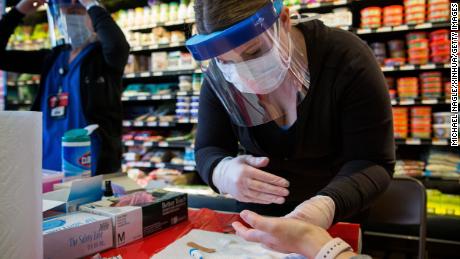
[76, 235]
[133, 222]
[49, 179]
[72, 194]
[159, 61]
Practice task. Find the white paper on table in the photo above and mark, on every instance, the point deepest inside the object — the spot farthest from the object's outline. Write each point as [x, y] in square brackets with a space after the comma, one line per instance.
[227, 246]
[21, 185]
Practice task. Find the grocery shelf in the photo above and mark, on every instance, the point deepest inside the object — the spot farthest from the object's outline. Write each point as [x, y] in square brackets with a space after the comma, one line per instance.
[151, 165]
[170, 96]
[128, 123]
[429, 175]
[40, 9]
[420, 101]
[310, 6]
[404, 27]
[155, 47]
[22, 83]
[161, 73]
[19, 103]
[171, 144]
[419, 142]
[415, 67]
[160, 24]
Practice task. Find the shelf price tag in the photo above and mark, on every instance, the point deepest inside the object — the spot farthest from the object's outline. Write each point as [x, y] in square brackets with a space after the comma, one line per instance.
[407, 102]
[129, 143]
[189, 168]
[126, 123]
[384, 29]
[138, 123]
[164, 124]
[142, 98]
[364, 31]
[145, 74]
[413, 141]
[424, 26]
[152, 124]
[401, 28]
[440, 142]
[340, 2]
[163, 144]
[428, 66]
[148, 144]
[429, 101]
[408, 67]
[160, 165]
[387, 68]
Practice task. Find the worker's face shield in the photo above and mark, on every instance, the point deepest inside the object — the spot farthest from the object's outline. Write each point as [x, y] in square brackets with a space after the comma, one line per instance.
[254, 68]
[69, 23]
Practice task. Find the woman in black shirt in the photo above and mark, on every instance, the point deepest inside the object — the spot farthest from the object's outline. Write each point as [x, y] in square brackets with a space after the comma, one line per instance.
[322, 152]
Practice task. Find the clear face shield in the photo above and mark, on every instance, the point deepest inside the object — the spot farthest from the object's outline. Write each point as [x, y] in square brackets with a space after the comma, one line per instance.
[69, 23]
[255, 69]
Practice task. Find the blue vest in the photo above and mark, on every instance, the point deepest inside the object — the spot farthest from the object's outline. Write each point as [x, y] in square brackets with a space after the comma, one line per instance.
[64, 78]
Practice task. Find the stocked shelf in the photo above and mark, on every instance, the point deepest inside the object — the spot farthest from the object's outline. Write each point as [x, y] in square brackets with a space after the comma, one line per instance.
[198, 71]
[155, 47]
[403, 28]
[415, 67]
[161, 24]
[151, 165]
[419, 142]
[128, 123]
[311, 6]
[162, 73]
[430, 176]
[171, 144]
[423, 101]
[19, 103]
[40, 9]
[171, 96]
[22, 83]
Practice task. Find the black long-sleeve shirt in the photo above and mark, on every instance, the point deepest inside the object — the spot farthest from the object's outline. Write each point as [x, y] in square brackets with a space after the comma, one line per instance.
[342, 143]
[100, 78]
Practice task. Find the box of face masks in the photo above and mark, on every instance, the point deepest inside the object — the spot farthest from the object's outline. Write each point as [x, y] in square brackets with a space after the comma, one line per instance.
[131, 223]
[76, 235]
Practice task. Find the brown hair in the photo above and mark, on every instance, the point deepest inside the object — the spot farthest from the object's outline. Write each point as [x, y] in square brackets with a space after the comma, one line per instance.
[215, 15]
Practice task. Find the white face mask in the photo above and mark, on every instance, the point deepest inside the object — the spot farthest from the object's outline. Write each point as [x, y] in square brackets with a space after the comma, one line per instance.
[77, 31]
[261, 75]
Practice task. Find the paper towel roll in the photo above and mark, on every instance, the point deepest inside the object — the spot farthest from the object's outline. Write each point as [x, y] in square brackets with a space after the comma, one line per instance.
[20, 185]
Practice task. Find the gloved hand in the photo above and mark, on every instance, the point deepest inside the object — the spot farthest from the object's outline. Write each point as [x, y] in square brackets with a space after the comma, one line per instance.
[241, 178]
[319, 210]
[285, 235]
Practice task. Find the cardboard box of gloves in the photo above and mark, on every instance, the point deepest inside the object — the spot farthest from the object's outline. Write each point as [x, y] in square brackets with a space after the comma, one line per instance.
[140, 214]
